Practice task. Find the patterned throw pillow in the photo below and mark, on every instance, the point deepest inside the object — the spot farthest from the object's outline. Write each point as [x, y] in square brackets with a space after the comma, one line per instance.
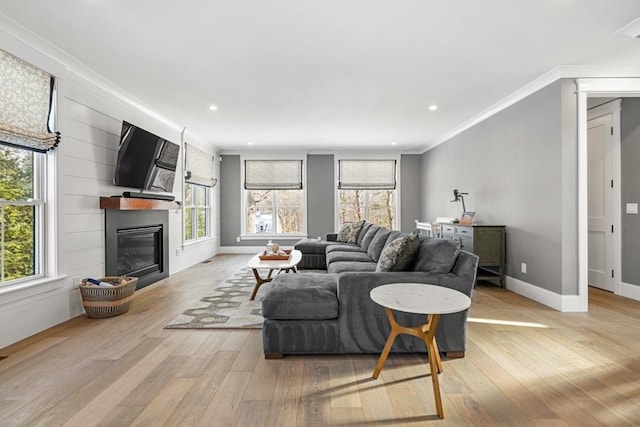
[349, 232]
[399, 254]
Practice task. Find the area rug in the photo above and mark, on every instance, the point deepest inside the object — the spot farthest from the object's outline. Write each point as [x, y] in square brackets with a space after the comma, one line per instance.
[227, 306]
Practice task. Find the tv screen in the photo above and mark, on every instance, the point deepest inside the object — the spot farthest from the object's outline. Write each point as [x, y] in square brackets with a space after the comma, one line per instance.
[145, 161]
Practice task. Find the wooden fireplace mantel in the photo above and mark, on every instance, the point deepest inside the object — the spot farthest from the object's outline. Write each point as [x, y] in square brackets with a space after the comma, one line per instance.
[131, 204]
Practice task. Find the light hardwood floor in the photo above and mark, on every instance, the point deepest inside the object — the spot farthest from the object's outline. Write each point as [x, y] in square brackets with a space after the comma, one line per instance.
[526, 365]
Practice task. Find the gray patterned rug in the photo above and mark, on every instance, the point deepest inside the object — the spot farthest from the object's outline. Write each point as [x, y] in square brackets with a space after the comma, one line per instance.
[227, 306]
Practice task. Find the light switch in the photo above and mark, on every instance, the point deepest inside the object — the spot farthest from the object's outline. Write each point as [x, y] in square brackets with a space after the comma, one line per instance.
[632, 208]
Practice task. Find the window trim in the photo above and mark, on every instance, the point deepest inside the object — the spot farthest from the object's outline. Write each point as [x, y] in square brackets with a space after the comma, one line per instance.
[209, 219]
[398, 190]
[42, 217]
[244, 235]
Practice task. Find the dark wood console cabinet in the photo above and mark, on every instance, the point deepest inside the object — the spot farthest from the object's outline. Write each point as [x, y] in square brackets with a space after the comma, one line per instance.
[486, 241]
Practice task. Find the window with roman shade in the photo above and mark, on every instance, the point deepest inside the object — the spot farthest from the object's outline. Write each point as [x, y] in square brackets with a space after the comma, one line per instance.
[26, 105]
[367, 174]
[273, 174]
[199, 167]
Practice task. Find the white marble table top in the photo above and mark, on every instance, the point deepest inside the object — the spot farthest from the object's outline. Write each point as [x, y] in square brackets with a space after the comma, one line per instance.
[294, 259]
[420, 298]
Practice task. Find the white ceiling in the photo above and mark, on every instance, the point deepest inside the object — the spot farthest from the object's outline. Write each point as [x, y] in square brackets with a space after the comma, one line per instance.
[333, 74]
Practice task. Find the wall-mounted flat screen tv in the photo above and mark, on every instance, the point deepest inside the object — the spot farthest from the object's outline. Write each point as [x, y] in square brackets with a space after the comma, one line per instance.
[145, 161]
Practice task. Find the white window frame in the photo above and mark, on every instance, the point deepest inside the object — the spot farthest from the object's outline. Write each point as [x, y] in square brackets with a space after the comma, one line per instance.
[245, 235]
[194, 214]
[398, 191]
[40, 222]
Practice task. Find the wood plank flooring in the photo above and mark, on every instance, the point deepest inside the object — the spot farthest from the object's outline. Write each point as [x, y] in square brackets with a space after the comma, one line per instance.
[525, 365]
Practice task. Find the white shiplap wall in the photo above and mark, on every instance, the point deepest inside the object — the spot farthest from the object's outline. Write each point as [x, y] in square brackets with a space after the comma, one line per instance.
[89, 119]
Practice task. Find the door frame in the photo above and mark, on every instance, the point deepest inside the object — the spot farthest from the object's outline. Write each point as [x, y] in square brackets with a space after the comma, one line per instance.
[613, 107]
[601, 87]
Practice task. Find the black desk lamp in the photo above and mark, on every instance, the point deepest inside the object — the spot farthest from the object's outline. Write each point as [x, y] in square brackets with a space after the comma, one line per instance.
[459, 197]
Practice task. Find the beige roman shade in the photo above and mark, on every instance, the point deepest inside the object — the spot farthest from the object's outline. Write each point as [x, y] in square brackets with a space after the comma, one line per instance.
[273, 174]
[26, 105]
[199, 167]
[367, 174]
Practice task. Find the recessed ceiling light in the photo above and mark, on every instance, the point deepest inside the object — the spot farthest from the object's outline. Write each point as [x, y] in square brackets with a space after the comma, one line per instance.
[433, 107]
[213, 108]
[393, 143]
[250, 143]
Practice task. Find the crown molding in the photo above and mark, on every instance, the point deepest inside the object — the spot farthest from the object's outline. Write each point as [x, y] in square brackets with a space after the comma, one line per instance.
[604, 80]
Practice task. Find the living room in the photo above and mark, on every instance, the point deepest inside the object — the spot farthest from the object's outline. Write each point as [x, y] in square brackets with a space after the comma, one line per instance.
[519, 155]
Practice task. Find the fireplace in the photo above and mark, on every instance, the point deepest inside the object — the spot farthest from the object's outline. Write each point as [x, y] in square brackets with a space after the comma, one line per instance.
[137, 244]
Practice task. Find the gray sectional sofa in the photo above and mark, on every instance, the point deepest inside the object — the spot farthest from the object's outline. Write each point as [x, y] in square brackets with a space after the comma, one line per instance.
[331, 312]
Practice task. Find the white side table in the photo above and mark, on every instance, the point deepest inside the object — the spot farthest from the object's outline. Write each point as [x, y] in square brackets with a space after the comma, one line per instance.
[255, 263]
[419, 298]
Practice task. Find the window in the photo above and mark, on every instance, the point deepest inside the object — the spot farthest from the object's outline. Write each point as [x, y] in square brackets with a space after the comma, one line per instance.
[367, 190]
[20, 214]
[196, 212]
[199, 180]
[27, 117]
[274, 198]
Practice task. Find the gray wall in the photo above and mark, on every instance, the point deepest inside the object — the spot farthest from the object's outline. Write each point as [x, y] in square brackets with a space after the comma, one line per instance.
[320, 195]
[230, 202]
[630, 188]
[518, 167]
[411, 200]
[320, 200]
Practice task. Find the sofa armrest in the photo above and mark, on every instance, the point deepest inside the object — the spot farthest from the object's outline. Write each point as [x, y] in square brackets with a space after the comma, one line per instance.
[332, 237]
[363, 323]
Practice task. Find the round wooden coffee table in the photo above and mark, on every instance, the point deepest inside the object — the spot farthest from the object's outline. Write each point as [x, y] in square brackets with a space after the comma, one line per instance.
[419, 298]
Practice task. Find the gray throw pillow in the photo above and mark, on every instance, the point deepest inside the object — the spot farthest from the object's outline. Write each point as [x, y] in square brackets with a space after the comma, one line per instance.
[399, 254]
[349, 232]
[436, 255]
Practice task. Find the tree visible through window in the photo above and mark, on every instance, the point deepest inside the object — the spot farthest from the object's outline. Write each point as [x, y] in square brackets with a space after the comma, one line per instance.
[196, 212]
[274, 211]
[377, 206]
[367, 190]
[19, 213]
[274, 199]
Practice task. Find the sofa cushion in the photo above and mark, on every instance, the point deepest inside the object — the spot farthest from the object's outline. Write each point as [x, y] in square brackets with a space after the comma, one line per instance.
[378, 243]
[343, 247]
[395, 234]
[436, 255]
[312, 246]
[363, 232]
[303, 296]
[351, 266]
[350, 231]
[369, 235]
[399, 254]
[335, 256]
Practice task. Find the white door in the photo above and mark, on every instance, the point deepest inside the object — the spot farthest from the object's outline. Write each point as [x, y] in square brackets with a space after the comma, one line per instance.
[600, 194]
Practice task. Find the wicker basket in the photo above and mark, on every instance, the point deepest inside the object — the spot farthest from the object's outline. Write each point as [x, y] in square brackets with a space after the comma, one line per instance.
[102, 301]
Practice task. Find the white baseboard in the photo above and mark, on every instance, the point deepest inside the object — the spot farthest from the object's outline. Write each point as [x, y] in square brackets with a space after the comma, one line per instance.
[630, 291]
[564, 303]
[240, 249]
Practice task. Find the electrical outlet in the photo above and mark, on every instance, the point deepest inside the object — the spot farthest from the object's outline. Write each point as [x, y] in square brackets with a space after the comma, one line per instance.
[632, 208]
[238, 239]
[523, 268]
